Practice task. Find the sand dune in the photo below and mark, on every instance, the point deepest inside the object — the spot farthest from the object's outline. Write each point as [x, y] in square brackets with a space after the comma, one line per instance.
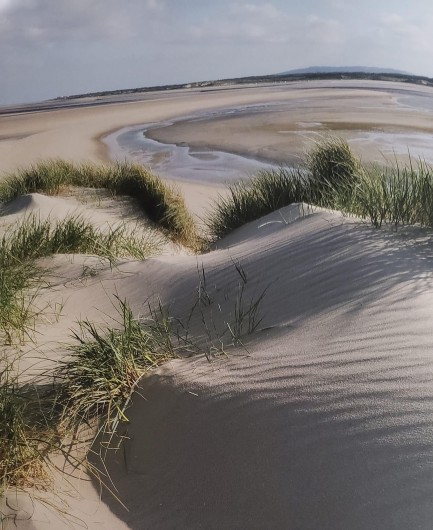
[92, 205]
[321, 419]
[326, 423]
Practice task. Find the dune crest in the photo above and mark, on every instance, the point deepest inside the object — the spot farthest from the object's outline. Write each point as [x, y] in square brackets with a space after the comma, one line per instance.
[324, 421]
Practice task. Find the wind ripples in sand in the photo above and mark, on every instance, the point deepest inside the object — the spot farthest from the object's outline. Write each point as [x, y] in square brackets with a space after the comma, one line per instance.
[326, 422]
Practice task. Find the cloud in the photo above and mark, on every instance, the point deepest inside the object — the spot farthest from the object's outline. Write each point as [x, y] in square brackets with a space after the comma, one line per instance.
[267, 10]
[261, 24]
[87, 45]
[155, 5]
[4, 4]
[413, 34]
[338, 4]
[54, 21]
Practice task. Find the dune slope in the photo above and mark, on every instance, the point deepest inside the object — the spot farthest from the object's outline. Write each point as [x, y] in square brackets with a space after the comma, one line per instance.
[326, 420]
[322, 420]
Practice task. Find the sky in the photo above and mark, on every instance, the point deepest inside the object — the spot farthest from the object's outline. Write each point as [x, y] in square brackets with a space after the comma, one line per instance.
[51, 48]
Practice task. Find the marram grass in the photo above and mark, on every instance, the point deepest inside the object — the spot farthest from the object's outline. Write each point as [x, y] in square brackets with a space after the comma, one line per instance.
[28, 431]
[93, 386]
[251, 199]
[395, 195]
[105, 364]
[331, 162]
[161, 203]
[33, 238]
[332, 178]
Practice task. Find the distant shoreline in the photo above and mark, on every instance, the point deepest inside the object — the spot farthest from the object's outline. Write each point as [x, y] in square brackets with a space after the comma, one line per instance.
[109, 97]
[274, 78]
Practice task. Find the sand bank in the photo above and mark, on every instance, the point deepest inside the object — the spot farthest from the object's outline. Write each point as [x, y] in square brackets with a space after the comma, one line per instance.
[377, 125]
[74, 133]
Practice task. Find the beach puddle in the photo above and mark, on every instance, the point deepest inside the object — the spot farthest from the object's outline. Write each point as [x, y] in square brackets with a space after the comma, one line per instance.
[181, 161]
[417, 146]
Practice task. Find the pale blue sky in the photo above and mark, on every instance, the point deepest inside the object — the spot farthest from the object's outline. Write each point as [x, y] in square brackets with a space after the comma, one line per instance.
[51, 48]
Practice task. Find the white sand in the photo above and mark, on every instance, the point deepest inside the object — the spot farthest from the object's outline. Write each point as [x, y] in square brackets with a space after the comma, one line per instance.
[322, 421]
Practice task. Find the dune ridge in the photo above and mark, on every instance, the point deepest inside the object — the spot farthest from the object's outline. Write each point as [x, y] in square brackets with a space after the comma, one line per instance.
[323, 419]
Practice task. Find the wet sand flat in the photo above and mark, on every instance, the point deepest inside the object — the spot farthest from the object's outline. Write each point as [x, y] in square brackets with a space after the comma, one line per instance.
[377, 124]
[275, 122]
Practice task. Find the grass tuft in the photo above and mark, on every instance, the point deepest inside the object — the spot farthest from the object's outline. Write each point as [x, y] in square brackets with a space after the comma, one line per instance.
[19, 285]
[332, 164]
[161, 203]
[396, 195]
[94, 384]
[93, 387]
[251, 199]
[334, 179]
[49, 177]
[28, 431]
[33, 238]
[105, 365]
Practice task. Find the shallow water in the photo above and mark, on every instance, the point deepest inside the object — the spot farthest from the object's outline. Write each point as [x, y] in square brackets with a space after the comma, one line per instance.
[424, 102]
[181, 161]
[205, 164]
[415, 145]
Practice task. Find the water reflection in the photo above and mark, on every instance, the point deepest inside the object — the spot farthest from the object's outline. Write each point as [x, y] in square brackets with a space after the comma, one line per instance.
[180, 161]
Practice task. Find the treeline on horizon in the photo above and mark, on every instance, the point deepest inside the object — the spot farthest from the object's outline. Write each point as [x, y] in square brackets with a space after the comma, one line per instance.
[273, 78]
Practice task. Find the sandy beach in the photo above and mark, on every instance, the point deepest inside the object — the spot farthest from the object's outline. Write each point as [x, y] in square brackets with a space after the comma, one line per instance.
[323, 417]
[274, 123]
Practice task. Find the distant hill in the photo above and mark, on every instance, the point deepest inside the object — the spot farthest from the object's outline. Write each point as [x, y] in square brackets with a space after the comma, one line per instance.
[314, 73]
[342, 70]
